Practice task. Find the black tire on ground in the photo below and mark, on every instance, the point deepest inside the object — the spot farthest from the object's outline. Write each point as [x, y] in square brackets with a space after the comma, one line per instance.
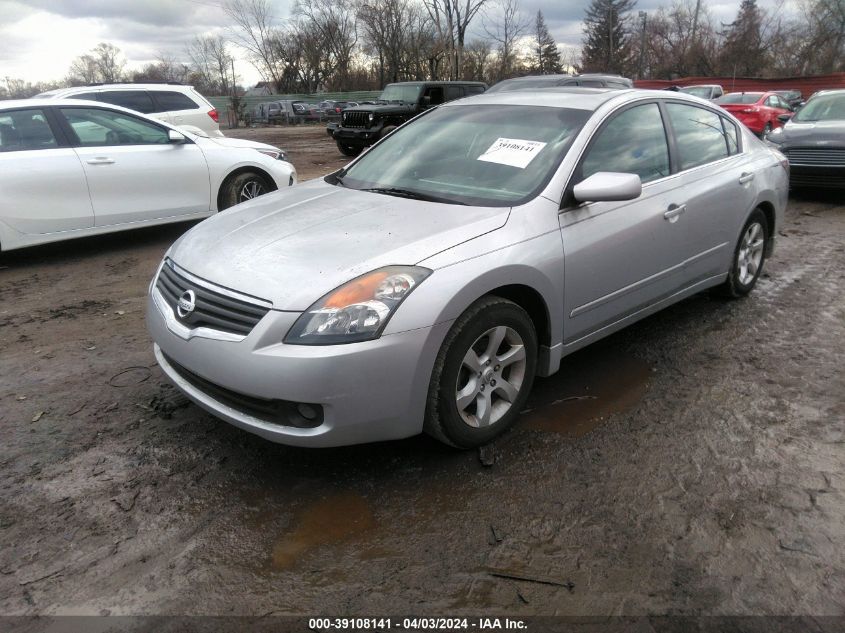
[243, 187]
[387, 130]
[451, 375]
[744, 272]
[349, 150]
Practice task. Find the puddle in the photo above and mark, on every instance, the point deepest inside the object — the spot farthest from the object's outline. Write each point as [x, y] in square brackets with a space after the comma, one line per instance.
[329, 520]
[591, 385]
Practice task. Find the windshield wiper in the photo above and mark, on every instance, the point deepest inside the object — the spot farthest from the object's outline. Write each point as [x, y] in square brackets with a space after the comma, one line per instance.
[336, 178]
[409, 193]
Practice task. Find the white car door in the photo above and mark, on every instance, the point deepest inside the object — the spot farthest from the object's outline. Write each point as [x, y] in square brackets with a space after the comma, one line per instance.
[43, 184]
[134, 172]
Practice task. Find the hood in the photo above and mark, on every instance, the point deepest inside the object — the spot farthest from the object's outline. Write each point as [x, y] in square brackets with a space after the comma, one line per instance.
[386, 108]
[295, 245]
[225, 141]
[824, 133]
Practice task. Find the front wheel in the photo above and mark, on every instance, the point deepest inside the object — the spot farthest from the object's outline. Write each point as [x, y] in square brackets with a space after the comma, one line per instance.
[349, 150]
[749, 255]
[483, 374]
[243, 187]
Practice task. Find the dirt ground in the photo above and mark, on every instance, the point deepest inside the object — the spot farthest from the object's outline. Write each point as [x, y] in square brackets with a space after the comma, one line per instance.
[692, 464]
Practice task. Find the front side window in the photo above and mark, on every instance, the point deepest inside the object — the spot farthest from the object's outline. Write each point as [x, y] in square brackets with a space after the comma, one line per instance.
[400, 93]
[25, 130]
[95, 126]
[634, 142]
[488, 155]
[698, 133]
[137, 100]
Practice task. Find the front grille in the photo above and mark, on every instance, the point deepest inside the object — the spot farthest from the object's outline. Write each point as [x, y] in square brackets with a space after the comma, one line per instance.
[355, 119]
[282, 412]
[213, 309]
[816, 156]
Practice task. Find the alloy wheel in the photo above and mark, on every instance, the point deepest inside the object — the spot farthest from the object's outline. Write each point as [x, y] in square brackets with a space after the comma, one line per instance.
[491, 376]
[251, 189]
[750, 254]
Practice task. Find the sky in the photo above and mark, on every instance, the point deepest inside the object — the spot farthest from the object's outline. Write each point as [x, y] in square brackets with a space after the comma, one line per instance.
[40, 38]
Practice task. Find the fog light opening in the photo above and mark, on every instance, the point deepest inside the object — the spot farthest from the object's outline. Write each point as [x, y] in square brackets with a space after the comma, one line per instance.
[307, 411]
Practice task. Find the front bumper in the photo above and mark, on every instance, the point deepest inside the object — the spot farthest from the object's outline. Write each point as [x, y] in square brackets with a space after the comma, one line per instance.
[356, 136]
[368, 391]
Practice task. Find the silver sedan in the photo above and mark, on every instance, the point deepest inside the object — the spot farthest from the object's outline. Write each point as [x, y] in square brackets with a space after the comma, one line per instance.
[425, 285]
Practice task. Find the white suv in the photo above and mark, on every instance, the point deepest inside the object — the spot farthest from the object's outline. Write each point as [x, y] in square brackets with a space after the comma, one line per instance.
[172, 103]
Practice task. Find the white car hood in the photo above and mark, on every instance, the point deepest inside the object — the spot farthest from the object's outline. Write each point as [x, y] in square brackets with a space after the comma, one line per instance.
[293, 246]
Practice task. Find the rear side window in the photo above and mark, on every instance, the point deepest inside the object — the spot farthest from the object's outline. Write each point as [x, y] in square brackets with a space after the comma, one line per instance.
[698, 134]
[137, 100]
[168, 101]
[731, 136]
[634, 142]
[591, 83]
[25, 130]
[474, 90]
[87, 96]
[453, 92]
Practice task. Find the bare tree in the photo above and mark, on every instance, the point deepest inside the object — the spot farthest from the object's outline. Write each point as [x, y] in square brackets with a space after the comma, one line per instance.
[212, 62]
[478, 60]
[505, 31]
[254, 31]
[333, 21]
[452, 19]
[104, 64]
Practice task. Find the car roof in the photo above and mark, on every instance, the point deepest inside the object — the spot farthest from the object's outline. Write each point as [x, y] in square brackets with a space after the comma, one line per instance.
[95, 87]
[568, 97]
[429, 83]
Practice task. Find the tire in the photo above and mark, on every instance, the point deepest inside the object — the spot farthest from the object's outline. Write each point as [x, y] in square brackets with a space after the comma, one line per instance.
[465, 374]
[243, 187]
[749, 256]
[349, 150]
[387, 130]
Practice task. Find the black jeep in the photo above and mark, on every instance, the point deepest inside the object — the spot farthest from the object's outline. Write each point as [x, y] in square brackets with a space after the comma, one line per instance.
[363, 125]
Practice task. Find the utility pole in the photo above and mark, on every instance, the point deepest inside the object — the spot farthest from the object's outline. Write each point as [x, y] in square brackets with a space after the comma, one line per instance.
[610, 38]
[644, 17]
[695, 20]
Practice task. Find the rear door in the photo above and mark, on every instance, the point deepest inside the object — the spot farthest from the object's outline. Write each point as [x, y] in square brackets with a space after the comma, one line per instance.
[41, 179]
[718, 181]
[134, 172]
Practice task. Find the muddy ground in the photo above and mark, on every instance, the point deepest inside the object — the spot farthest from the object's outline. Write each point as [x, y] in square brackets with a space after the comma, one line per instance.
[692, 464]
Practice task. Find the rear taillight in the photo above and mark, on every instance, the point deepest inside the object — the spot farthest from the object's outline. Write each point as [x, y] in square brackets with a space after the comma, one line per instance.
[213, 115]
[337, 109]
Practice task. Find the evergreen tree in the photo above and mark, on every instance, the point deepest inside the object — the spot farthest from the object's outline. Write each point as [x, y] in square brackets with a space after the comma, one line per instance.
[546, 54]
[606, 36]
[744, 53]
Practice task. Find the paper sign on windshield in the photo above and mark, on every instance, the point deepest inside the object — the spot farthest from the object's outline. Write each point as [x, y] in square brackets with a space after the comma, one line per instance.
[512, 151]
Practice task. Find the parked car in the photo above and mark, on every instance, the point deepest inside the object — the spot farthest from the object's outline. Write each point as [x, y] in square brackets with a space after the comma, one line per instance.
[589, 80]
[759, 111]
[361, 126]
[308, 111]
[423, 286]
[711, 92]
[71, 168]
[814, 142]
[793, 97]
[169, 102]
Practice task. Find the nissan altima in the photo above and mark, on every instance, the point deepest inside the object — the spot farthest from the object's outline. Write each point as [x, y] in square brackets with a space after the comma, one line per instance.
[426, 284]
[71, 168]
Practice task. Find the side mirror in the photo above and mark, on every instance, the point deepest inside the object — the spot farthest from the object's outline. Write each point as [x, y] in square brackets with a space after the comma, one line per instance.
[783, 118]
[176, 137]
[608, 186]
[425, 102]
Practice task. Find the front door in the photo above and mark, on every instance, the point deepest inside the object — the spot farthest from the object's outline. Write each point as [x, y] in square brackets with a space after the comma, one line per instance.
[620, 257]
[134, 172]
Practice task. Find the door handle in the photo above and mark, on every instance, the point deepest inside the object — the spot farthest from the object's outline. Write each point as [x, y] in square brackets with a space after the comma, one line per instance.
[674, 211]
[746, 177]
[100, 160]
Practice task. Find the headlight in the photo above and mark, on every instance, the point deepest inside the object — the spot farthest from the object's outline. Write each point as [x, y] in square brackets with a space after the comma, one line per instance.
[274, 153]
[775, 137]
[359, 309]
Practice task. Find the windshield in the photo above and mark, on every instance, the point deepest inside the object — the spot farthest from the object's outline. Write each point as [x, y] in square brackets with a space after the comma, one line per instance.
[697, 91]
[396, 92]
[487, 155]
[823, 108]
[740, 97]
